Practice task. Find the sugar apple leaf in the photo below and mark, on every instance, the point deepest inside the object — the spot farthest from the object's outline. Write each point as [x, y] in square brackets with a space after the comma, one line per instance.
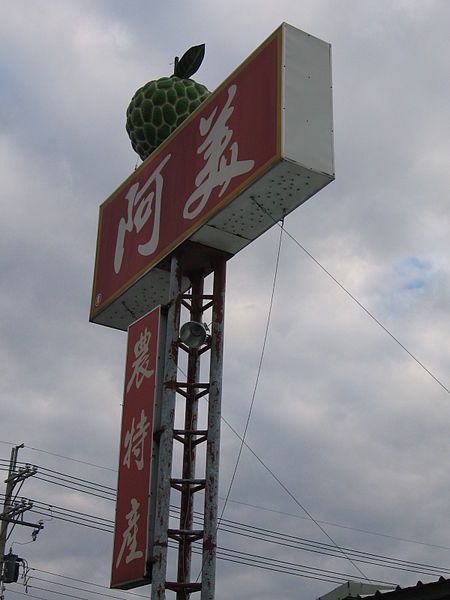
[190, 62]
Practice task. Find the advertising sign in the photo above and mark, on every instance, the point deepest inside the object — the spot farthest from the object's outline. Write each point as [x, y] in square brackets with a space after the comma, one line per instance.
[259, 146]
[131, 533]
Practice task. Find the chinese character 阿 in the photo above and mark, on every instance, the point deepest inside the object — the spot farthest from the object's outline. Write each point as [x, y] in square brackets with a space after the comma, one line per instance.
[135, 440]
[130, 535]
[217, 170]
[142, 358]
[139, 212]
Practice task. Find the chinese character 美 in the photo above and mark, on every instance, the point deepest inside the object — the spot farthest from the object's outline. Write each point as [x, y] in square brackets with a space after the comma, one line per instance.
[130, 535]
[139, 212]
[135, 440]
[217, 170]
[141, 361]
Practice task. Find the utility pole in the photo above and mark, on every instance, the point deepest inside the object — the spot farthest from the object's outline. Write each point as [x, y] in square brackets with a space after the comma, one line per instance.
[13, 513]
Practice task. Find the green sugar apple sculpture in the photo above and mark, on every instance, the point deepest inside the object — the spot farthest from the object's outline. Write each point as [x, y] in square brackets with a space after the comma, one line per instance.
[158, 107]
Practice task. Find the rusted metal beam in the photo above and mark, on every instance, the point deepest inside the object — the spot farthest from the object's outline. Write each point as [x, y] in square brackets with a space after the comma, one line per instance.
[213, 442]
[159, 559]
[190, 390]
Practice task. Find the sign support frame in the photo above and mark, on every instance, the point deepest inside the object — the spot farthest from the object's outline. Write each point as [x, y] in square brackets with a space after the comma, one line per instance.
[191, 390]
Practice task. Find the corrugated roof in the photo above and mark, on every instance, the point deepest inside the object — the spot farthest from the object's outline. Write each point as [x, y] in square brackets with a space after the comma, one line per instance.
[436, 590]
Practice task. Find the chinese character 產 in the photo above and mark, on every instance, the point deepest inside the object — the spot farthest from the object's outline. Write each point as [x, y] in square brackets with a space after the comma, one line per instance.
[129, 541]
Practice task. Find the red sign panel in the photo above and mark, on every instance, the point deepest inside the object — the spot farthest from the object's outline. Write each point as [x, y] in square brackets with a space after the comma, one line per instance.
[133, 488]
[227, 143]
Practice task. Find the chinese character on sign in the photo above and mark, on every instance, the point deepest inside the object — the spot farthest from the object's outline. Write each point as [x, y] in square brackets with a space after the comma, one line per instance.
[134, 442]
[217, 170]
[129, 542]
[142, 358]
[139, 212]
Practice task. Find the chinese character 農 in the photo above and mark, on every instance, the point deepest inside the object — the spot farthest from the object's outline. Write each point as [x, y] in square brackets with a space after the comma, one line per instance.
[142, 359]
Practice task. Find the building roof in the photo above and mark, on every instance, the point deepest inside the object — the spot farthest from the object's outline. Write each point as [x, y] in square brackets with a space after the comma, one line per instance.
[436, 590]
[354, 589]
[358, 590]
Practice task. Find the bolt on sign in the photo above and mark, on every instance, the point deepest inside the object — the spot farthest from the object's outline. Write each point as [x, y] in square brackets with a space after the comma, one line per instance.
[136, 480]
[253, 151]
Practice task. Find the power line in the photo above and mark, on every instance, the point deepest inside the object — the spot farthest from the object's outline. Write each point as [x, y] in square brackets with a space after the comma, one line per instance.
[112, 497]
[258, 373]
[106, 525]
[73, 483]
[73, 587]
[249, 417]
[98, 585]
[294, 515]
[258, 533]
[291, 495]
[111, 491]
[226, 554]
[353, 297]
[341, 526]
[82, 462]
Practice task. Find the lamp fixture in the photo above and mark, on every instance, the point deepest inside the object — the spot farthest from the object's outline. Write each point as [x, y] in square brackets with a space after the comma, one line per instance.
[193, 334]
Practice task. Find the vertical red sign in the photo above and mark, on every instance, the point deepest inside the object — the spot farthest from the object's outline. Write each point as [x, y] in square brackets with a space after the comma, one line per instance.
[133, 488]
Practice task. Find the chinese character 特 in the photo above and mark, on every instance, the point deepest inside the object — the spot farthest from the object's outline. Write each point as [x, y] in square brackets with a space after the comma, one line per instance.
[142, 359]
[130, 535]
[134, 442]
[139, 212]
[217, 170]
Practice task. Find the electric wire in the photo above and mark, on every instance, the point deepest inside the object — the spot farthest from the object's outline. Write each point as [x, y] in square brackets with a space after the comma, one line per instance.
[353, 297]
[227, 554]
[291, 567]
[298, 543]
[340, 525]
[63, 476]
[74, 483]
[259, 369]
[97, 585]
[107, 525]
[66, 595]
[260, 534]
[112, 497]
[293, 497]
[73, 587]
[79, 479]
[82, 462]
[258, 374]
[251, 557]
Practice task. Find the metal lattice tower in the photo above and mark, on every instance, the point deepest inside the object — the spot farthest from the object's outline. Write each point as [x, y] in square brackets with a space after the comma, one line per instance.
[190, 389]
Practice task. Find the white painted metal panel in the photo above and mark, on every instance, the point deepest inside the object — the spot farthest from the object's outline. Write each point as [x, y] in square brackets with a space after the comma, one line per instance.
[307, 134]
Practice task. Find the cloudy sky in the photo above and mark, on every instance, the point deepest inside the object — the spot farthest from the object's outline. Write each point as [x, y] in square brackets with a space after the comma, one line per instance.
[344, 418]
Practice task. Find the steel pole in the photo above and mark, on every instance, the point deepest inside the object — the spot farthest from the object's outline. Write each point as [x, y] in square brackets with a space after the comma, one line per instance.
[10, 484]
[159, 559]
[213, 441]
[189, 447]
